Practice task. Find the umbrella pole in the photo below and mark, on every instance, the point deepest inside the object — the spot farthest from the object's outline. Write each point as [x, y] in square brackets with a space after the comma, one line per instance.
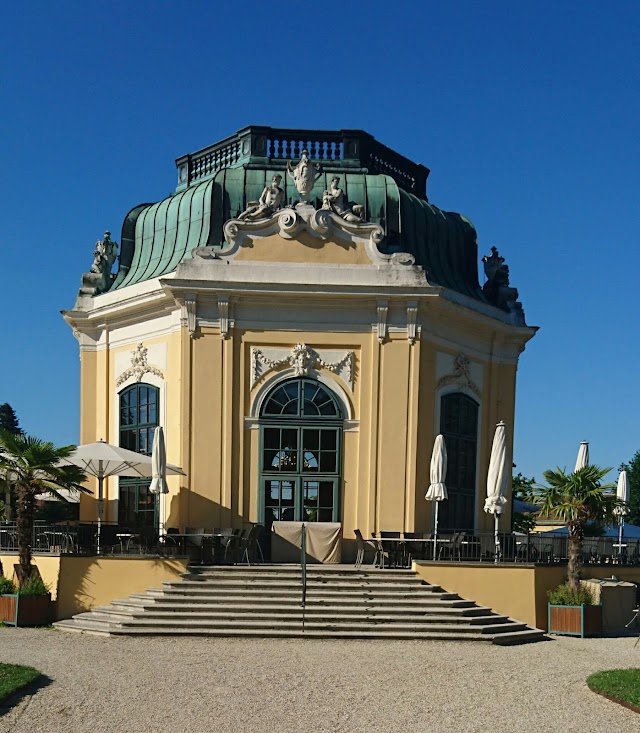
[620, 526]
[100, 509]
[496, 519]
[435, 531]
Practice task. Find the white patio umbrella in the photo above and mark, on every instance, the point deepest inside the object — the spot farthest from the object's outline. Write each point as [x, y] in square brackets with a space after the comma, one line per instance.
[497, 480]
[622, 494]
[583, 456]
[437, 490]
[103, 460]
[159, 475]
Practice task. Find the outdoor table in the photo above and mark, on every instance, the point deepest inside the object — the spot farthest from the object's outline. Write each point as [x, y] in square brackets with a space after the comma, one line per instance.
[198, 541]
[65, 540]
[125, 539]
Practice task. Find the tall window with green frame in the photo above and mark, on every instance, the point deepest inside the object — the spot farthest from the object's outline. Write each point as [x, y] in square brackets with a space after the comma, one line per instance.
[459, 427]
[301, 439]
[138, 420]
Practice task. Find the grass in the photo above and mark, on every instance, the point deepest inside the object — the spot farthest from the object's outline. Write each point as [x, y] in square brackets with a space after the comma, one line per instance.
[622, 685]
[13, 677]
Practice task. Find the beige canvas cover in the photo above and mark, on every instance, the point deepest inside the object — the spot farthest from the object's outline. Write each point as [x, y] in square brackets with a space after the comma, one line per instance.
[324, 541]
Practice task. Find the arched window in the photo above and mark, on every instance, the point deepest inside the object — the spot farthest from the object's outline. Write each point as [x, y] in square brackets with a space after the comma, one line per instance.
[138, 421]
[300, 462]
[459, 427]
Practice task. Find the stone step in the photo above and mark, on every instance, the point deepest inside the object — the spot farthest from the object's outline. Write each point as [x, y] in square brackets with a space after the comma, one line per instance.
[147, 605]
[105, 629]
[109, 613]
[194, 589]
[263, 623]
[232, 581]
[340, 600]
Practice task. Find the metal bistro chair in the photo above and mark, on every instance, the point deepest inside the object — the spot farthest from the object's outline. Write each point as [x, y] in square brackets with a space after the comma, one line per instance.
[360, 547]
[393, 550]
[249, 547]
[233, 549]
[416, 550]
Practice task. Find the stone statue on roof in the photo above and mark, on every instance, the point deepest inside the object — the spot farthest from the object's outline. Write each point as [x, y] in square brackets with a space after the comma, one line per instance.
[497, 288]
[334, 200]
[99, 278]
[304, 175]
[271, 199]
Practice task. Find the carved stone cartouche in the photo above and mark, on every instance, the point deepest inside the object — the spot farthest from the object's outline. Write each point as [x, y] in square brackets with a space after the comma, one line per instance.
[304, 175]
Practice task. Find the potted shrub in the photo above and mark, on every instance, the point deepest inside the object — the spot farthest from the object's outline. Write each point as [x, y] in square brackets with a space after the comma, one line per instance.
[577, 499]
[29, 605]
[573, 613]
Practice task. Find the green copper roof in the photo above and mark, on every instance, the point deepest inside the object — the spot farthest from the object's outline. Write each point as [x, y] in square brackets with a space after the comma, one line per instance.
[157, 237]
[215, 184]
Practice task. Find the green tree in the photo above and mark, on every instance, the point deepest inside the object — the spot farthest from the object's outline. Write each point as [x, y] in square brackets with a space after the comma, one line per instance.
[576, 498]
[633, 471]
[9, 419]
[522, 488]
[33, 466]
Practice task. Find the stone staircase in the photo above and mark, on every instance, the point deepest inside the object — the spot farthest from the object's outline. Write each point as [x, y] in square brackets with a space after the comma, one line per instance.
[265, 601]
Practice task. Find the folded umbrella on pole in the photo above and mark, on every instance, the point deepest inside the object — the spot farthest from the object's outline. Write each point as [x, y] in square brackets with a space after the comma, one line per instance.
[497, 481]
[622, 494]
[437, 490]
[583, 456]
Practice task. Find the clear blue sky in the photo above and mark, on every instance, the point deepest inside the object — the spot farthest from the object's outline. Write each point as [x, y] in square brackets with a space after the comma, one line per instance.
[526, 112]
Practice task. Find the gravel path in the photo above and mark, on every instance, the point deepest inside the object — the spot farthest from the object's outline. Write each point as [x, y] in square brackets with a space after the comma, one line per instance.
[120, 685]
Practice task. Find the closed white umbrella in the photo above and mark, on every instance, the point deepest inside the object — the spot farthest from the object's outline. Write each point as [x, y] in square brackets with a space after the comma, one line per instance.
[583, 456]
[622, 494]
[497, 480]
[159, 476]
[103, 460]
[437, 491]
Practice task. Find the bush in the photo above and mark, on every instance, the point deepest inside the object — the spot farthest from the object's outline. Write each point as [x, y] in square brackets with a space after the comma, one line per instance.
[7, 586]
[34, 586]
[563, 596]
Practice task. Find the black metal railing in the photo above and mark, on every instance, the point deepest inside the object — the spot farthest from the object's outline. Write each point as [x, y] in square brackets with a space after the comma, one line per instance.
[540, 548]
[275, 146]
[303, 569]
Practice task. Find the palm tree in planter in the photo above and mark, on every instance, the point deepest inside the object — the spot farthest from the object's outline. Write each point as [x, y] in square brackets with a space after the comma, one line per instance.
[576, 498]
[33, 466]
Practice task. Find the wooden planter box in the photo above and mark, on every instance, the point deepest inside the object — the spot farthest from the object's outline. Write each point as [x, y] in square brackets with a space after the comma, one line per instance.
[18, 610]
[575, 620]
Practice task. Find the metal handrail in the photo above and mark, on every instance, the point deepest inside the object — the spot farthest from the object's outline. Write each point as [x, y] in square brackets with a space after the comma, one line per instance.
[303, 569]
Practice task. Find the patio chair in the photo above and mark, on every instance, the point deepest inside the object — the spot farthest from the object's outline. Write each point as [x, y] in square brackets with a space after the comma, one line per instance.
[393, 550]
[416, 550]
[360, 547]
[452, 549]
[232, 550]
[248, 547]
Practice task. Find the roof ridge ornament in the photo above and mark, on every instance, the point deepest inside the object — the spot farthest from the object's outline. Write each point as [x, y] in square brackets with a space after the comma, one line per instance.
[304, 175]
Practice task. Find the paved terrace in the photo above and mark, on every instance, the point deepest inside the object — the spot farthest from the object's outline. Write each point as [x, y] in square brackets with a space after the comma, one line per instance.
[113, 685]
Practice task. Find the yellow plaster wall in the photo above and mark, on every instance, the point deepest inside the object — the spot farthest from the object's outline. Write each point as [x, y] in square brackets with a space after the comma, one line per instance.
[517, 591]
[89, 582]
[304, 249]
[507, 590]
[48, 565]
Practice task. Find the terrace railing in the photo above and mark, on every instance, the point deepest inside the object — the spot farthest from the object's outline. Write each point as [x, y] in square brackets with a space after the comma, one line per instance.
[274, 147]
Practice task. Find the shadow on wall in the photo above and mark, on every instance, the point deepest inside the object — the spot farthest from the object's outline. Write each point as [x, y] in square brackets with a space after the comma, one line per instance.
[88, 582]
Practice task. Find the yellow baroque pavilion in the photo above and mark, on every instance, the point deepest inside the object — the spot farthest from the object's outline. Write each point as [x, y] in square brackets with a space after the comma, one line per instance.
[302, 322]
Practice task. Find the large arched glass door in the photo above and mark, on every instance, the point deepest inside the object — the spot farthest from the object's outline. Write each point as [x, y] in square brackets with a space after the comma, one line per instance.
[300, 461]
